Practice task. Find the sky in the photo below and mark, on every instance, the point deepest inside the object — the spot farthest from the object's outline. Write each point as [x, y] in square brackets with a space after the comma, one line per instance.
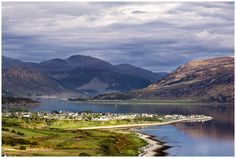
[157, 36]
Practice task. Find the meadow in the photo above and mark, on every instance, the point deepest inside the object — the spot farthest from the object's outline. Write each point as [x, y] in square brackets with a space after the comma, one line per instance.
[32, 137]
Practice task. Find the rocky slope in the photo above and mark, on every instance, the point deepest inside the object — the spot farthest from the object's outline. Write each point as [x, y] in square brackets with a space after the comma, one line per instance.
[210, 80]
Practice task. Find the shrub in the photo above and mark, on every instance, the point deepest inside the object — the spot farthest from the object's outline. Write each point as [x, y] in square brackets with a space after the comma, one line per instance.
[19, 133]
[13, 141]
[22, 147]
[7, 141]
[34, 143]
[13, 131]
[84, 154]
[107, 147]
[60, 146]
[11, 122]
[5, 129]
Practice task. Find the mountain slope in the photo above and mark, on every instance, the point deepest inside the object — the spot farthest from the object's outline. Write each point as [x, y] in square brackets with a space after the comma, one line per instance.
[210, 80]
[142, 73]
[96, 79]
[22, 81]
[88, 75]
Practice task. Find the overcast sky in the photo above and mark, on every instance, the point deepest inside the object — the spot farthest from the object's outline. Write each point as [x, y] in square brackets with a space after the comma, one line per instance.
[155, 36]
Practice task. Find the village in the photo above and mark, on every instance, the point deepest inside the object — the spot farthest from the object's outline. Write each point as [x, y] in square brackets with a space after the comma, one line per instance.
[63, 115]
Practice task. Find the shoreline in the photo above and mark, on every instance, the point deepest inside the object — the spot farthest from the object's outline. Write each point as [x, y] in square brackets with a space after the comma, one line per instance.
[145, 124]
[114, 102]
[153, 148]
[148, 102]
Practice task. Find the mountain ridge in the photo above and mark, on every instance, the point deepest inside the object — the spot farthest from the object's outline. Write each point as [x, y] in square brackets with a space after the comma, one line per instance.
[209, 80]
[78, 73]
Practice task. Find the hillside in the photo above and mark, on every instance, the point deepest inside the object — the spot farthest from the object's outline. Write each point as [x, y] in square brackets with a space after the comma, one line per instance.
[22, 81]
[210, 80]
[139, 72]
[87, 75]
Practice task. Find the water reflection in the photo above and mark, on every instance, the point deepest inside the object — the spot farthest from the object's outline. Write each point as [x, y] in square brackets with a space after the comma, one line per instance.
[211, 138]
[185, 143]
[210, 129]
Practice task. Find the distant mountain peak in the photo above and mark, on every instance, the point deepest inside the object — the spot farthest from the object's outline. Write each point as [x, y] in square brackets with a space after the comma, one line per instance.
[82, 57]
[78, 57]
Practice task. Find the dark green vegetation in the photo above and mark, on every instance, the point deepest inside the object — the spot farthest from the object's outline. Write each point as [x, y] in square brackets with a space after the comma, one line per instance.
[35, 137]
[18, 101]
[210, 80]
[12, 104]
[81, 74]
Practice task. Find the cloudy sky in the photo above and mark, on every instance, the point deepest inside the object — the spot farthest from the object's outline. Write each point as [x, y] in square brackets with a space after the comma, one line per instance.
[156, 36]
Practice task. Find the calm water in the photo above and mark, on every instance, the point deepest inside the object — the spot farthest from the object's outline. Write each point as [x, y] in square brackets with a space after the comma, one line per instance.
[212, 138]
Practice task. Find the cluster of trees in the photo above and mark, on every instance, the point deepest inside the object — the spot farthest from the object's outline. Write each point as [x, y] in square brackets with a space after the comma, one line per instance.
[7, 140]
[120, 145]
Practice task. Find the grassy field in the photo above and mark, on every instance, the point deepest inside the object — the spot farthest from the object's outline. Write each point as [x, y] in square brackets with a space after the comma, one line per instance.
[75, 124]
[25, 137]
[70, 124]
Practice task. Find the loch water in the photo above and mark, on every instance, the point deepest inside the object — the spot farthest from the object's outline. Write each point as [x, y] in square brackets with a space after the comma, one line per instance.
[211, 138]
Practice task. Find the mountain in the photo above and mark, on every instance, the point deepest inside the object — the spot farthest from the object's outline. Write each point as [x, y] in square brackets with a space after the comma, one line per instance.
[89, 75]
[210, 80]
[93, 76]
[71, 63]
[142, 73]
[9, 62]
[22, 81]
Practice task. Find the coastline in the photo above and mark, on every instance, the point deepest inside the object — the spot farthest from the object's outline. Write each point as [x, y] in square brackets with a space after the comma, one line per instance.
[150, 102]
[118, 102]
[153, 148]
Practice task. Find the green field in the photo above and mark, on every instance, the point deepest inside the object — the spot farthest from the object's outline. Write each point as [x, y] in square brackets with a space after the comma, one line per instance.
[75, 124]
[70, 124]
[27, 137]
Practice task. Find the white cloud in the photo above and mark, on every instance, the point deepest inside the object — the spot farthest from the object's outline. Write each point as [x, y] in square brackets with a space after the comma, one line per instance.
[173, 32]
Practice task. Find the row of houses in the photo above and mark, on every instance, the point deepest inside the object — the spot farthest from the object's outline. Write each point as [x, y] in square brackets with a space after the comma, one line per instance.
[176, 116]
[78, 115]
[96, 116]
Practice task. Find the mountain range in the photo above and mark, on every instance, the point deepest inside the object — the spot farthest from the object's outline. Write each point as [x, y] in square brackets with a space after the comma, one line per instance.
[78, 74]
[210, 80]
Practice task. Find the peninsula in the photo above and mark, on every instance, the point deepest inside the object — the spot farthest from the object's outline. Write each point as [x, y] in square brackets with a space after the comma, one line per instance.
[91, 133]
